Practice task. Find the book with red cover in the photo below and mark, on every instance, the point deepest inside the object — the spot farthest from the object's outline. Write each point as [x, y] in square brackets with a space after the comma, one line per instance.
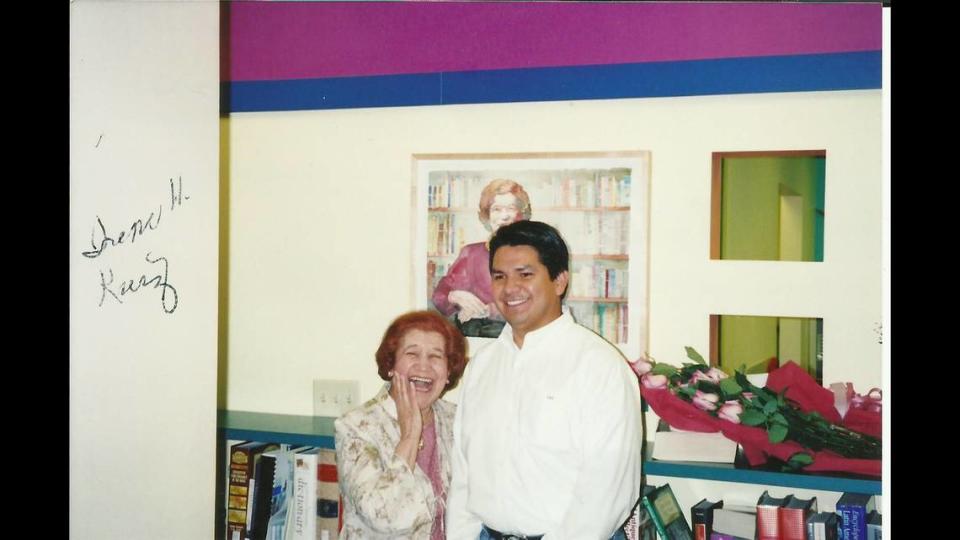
[793, 517]
[768, 516]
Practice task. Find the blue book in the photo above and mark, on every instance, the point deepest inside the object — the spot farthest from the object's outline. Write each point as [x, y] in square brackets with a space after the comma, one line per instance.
[853, 509]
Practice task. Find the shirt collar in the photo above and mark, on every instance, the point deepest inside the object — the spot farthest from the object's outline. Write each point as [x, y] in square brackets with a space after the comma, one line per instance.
[541, 333]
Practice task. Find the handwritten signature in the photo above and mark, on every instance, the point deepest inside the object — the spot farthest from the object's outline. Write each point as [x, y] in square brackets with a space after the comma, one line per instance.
[100, 240]
[168, 293]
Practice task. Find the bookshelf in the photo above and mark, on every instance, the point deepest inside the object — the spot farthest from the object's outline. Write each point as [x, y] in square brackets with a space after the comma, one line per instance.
[295, 430]
[725, 472]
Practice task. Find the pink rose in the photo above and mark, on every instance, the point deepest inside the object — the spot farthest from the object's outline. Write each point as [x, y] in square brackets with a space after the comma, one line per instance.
[711, 375]
[705, 401]
[730, 411]
[700, 376]
[641, 367]
[653, 382]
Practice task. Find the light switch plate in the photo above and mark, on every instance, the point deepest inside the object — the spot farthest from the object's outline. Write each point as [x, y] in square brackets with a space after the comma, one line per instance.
[334, 397]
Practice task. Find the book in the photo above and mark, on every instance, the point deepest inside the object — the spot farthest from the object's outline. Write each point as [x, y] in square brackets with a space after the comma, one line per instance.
[768, 516]
[281, 491]
[853, 509]
[735, 521]
[701, 518]
[874, 526]
[822, 526]
[793, 517]
[302, 521]
[223, 485]
[640, 526]
[261, 492]
[243, 458]
[329, 501]
[666, 514]
[673, 444]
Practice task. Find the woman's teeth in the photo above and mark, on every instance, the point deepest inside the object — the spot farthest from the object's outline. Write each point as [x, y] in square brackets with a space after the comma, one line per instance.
[421, 382]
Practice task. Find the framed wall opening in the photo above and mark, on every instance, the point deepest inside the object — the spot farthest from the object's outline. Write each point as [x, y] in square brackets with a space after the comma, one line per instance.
[768, 205]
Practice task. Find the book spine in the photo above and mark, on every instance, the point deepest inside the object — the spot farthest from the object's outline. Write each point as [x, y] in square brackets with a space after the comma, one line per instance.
[655, 517]
[241, 469]
[304, 512]
[698, 520]
[791, 523]
[262, 493]
[768, 523]
[328, 514]
[853, 522]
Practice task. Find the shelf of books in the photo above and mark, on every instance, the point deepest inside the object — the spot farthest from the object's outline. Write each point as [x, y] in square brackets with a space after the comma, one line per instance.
[277, 477]
[278, 428]
[740, 472]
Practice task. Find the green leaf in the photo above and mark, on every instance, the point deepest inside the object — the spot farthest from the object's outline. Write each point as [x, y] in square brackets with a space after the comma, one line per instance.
[730, 387]
[688, 391]
[770, 407]
[663, 369]
[776, 433]
[695, 356]
[799, 460]
[779, 419]
[752, 417]
[709, 387]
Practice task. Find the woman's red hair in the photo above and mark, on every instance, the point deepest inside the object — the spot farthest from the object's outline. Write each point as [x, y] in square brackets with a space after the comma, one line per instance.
[455, 345]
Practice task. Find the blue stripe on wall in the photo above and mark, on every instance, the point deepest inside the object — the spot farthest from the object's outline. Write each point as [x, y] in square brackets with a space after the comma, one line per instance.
[800, 73]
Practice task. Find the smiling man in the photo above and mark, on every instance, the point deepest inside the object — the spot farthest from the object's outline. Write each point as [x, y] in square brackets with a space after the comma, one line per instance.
[547, 435]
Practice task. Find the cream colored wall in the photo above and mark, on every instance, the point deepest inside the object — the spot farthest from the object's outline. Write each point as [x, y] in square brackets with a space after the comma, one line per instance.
[319, 256]
[144, 100]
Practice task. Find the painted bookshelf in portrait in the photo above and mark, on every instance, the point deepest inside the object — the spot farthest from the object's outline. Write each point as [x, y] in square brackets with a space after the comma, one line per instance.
[598, 202]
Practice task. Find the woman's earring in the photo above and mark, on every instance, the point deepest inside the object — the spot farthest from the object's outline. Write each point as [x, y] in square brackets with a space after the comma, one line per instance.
[390, 373]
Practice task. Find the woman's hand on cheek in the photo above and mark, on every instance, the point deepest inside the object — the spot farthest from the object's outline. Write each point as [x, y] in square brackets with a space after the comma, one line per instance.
[409, 418]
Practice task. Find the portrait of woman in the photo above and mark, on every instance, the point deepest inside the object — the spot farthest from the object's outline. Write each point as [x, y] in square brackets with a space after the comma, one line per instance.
[393, 452]
[464, 293]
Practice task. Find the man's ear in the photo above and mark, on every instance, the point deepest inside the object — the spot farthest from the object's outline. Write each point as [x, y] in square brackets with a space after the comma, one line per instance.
[560, 282]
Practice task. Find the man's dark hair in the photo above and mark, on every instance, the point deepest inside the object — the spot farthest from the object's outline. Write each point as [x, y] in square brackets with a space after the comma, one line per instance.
[546, 240]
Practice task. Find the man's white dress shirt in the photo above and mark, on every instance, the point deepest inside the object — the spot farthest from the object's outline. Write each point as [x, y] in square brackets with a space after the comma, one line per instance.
[547, 438]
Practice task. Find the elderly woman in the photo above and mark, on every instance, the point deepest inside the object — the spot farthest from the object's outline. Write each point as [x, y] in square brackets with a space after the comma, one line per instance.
[393, 453]
[465, 290]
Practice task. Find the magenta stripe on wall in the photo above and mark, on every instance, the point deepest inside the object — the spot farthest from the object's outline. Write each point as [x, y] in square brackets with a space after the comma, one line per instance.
[300, 40]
